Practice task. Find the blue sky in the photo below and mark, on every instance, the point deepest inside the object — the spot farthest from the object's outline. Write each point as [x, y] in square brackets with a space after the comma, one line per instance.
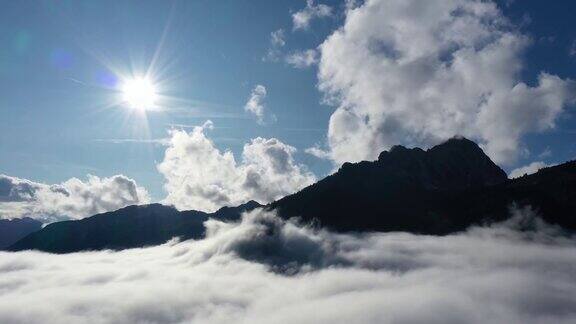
[57, 58]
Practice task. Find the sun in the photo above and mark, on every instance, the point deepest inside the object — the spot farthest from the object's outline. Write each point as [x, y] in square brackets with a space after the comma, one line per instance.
[139, 93]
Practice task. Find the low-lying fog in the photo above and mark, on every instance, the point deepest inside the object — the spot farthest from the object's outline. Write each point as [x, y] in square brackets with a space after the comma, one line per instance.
[265, 270]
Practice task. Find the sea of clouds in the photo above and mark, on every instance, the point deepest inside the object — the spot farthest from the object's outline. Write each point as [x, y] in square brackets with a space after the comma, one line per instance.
[267, 270]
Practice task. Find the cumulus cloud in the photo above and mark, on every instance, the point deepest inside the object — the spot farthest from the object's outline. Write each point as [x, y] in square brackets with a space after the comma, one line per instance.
[419, 72]
[302, 59]
[528, 169]
[199, 176]
[71, 199]
[255, 103]
[494, 274]
[302, 18]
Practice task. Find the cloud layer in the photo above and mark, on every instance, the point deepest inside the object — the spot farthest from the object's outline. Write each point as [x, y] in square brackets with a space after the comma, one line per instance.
[199, 176]
[241, 274]
[71, 199]
[419, 72]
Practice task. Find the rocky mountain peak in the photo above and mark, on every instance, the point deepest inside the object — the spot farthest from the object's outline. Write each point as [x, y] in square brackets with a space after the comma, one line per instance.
[455, 164]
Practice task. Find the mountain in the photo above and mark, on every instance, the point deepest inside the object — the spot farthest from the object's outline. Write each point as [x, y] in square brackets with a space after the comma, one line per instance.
[455, 164]
[129, 227]
[442, 190]
[437, 191]
[12, 230]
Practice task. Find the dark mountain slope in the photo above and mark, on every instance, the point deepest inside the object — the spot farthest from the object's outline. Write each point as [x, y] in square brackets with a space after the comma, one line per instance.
[551, 192]
[456, 164]
[444, 189]
[132, 226]
[12, 230]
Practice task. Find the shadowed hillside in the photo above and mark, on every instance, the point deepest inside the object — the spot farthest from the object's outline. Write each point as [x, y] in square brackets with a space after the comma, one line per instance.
[438, 191]
[129, 227]
[12, 230]
[442, 190]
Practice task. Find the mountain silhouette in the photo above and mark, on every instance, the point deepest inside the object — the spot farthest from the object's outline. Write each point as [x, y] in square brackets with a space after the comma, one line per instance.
[437, 191]
[12, 230]
[456, 164]
[129, 227]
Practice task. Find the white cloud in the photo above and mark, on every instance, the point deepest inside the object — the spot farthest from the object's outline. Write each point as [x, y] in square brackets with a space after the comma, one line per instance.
[255, 104]
[318, 152]
[199, 176]
[528, 169]
[277, 41]
[546, 153]
[302, 59]
[419, 72]
[73, 198]
[277, 38]
[241, 274]
[351, 4]
[301, 19]
[572, 49]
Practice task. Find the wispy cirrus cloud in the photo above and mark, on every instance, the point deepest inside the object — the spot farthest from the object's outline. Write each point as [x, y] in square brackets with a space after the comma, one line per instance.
[158, 141]
[277, 42]
[572, 48]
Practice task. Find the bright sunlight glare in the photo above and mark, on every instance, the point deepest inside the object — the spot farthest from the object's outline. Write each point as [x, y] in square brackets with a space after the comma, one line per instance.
[139, 93]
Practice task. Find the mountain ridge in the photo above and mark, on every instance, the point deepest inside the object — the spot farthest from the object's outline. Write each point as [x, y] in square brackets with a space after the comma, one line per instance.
[438, 191]
[12, 230]
[128, 227]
